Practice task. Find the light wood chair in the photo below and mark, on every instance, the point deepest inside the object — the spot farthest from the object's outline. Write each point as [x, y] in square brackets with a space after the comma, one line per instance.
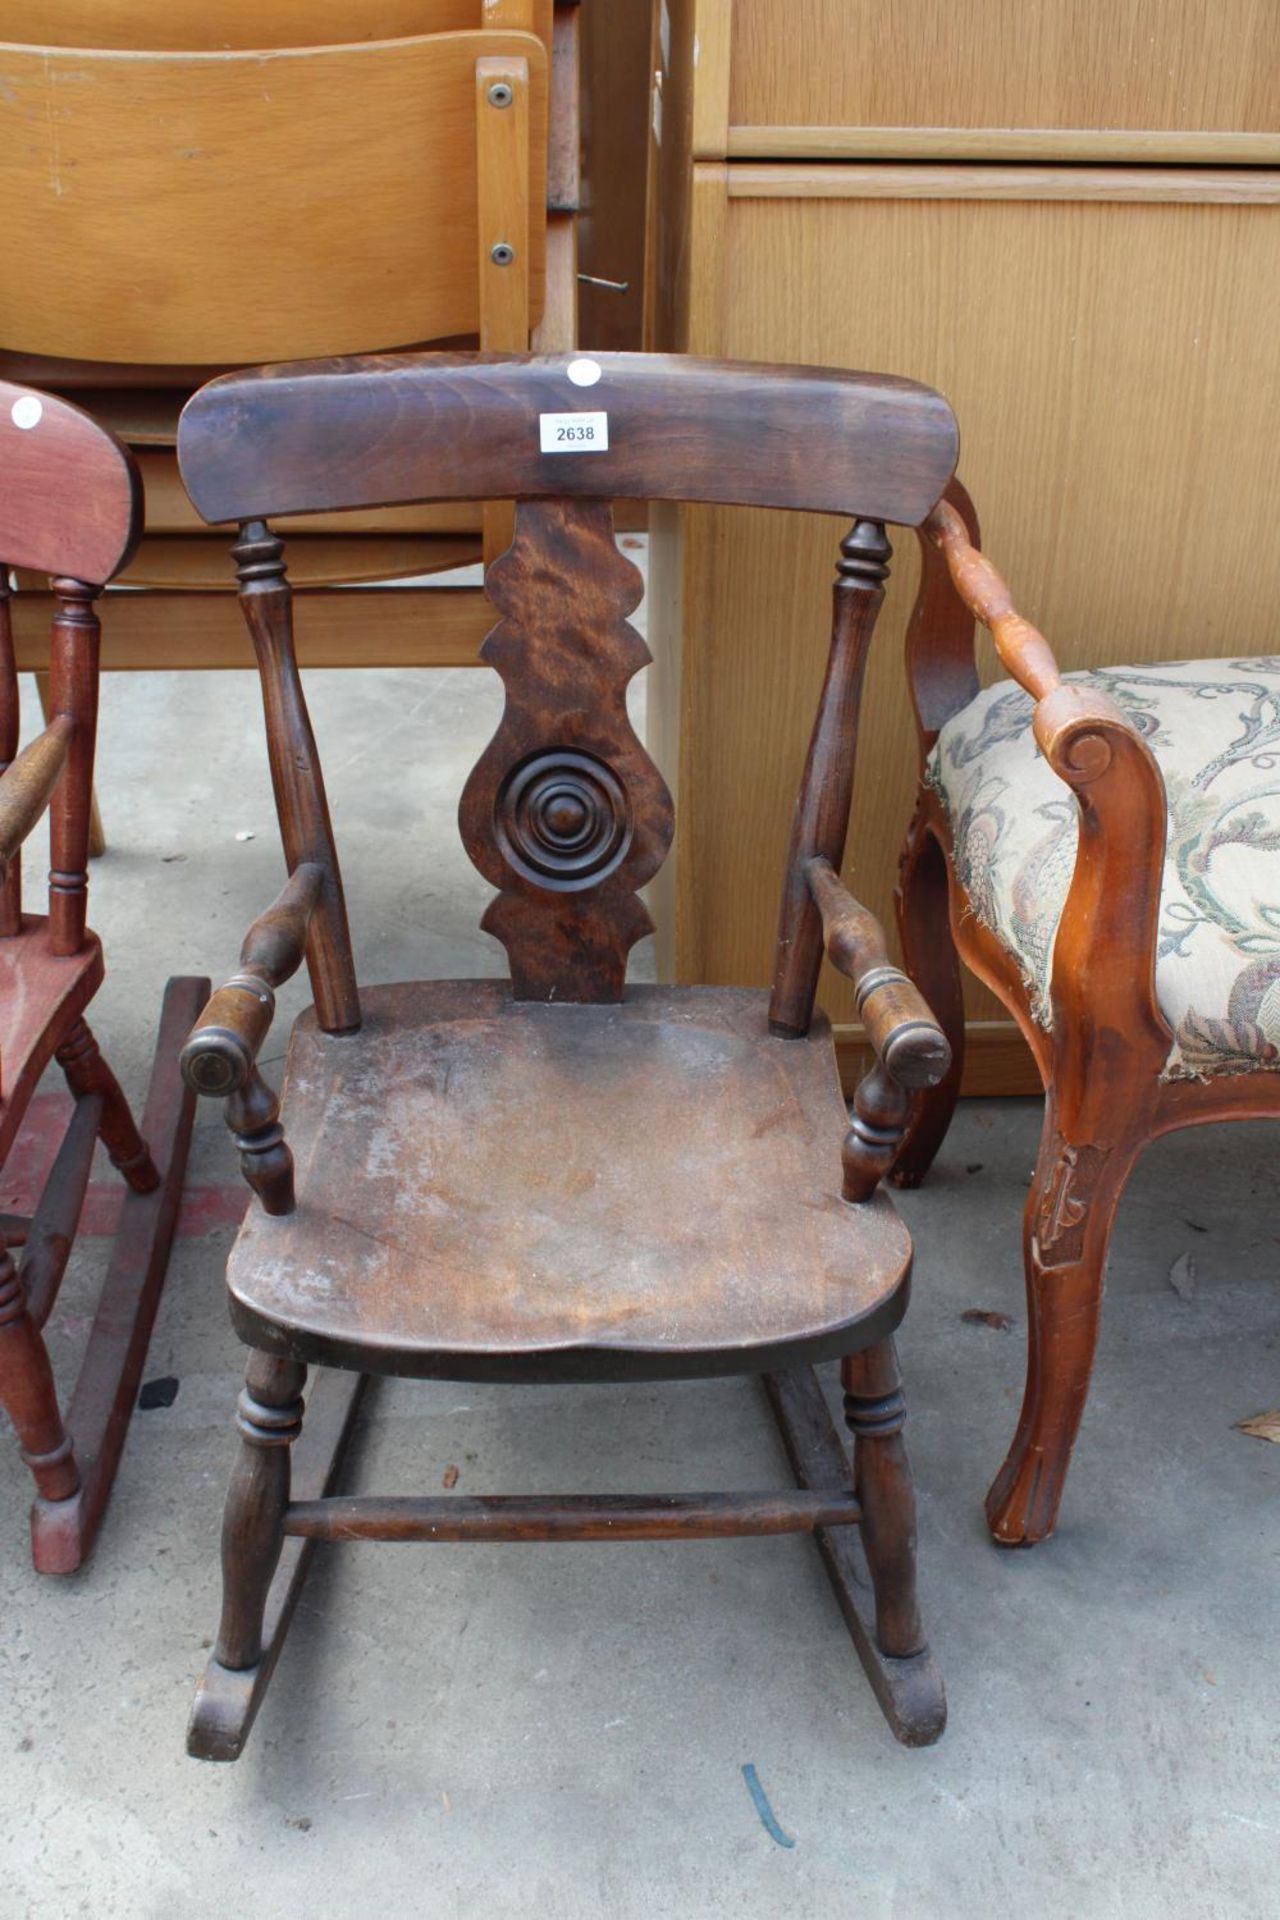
[1097, 848]
[558, 1177]
[71, 507]
[387, 173]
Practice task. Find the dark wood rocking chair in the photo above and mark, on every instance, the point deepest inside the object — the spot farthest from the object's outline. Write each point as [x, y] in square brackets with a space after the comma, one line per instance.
[71, 507]
[556, 1178]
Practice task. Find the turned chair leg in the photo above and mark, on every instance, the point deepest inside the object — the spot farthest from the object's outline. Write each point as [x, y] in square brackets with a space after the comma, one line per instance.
[269, 1419]
[930, 957]
[87, 1072]
[876, 1411]
[1066, 1232]
[28, 1395]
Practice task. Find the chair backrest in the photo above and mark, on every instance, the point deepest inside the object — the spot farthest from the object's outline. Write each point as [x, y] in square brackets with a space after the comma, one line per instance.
[565, 813]
[223, 207]
[70, 507]
[215, 26]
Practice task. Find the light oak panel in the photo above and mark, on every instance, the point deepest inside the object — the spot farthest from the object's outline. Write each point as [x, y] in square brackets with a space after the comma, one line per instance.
[216, 25]
[1123, 470]
[1202, 186]
[355, 626]
[1103, 64]
[1133, 146]
[170, 511]
[184, 563]
[298, 203]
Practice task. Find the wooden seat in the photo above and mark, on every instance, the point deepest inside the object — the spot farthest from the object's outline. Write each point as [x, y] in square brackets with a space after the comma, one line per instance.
[38, 987]
[462, 1207]
[72, 509]
[558, 1176]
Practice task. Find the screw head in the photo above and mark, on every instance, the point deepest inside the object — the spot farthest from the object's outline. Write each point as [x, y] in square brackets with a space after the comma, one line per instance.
[500, 94]
[502, 255]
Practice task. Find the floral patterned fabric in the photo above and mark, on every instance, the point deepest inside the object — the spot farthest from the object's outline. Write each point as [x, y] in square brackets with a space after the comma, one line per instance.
[1214, 728]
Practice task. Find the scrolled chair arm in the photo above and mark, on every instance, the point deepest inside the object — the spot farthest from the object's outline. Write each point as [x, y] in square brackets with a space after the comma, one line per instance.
[1104, 952]
[1071, 723]
[910, 1048]
[220, 1058]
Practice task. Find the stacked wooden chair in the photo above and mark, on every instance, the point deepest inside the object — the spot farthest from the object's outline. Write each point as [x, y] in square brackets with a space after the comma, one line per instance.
[1096, 847]
[70, 508]
[560, 1177]
[192, 189]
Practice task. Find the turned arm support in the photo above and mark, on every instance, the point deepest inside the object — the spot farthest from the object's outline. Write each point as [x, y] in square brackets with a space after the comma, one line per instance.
[910, 1048]
[1062, 710]
[906, 1039]
[27, 784]
[1024, 652]
[1067, 717]
[221, 1052]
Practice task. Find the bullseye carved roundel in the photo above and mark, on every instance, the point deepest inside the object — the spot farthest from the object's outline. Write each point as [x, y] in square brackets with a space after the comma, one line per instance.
[562, 819]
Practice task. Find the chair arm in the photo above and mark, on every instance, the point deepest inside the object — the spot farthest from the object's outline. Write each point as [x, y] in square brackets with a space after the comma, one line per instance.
[1104, 951]
[221, 1051]
[1024, 652]
[910, 1048]
[906, 1039]
[27, 784]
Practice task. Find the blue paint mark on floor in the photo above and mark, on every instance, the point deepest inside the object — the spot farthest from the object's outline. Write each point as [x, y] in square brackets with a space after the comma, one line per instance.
[768, 1818]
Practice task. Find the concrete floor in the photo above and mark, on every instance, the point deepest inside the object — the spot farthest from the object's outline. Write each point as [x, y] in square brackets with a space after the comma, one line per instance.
[473, 1731]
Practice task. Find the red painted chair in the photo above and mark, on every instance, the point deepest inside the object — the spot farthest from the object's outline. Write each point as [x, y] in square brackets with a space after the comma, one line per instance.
[71, 507]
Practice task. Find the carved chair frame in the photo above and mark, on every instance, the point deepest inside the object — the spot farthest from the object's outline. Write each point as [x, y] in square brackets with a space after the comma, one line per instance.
[1103, 1059]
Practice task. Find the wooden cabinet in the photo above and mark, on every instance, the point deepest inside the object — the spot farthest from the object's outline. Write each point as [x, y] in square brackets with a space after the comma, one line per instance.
[1128, 80]
[1104, 335]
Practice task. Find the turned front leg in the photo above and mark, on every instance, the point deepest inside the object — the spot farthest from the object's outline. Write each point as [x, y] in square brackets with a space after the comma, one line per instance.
[876, 1411]
[269, 1420]
[28, 1395]
[88, 1073]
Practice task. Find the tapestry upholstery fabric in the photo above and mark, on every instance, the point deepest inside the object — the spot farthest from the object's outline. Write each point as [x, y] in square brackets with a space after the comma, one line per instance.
[1214, 728]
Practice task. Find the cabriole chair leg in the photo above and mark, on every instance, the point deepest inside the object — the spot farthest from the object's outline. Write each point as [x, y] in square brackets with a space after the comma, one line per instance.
[1066, 1232]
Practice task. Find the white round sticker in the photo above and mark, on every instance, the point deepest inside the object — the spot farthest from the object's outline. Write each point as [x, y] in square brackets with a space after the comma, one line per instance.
[584, 373]
[26, 412]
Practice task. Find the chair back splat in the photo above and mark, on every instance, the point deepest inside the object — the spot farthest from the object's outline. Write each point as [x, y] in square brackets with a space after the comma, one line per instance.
[565, 813]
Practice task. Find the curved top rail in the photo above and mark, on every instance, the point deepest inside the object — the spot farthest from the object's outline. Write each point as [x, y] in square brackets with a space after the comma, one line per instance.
[220, 26]
[388, 429]
[220, 208]
[70, 495]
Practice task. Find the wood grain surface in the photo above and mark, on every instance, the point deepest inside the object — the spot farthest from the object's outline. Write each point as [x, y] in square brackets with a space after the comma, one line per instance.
[1121, 465]
[300, 201]
[220, 25]
[1123, 64]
